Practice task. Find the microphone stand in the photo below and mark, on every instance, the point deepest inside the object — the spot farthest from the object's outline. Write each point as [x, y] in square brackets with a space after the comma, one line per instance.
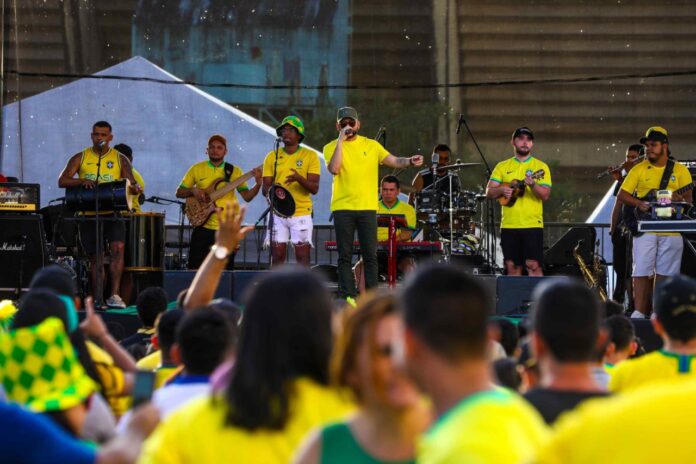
[99, 259]
[271, 208]
[490, 239]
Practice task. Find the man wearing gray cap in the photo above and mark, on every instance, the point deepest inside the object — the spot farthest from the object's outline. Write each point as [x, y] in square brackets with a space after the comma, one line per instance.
[354, 162]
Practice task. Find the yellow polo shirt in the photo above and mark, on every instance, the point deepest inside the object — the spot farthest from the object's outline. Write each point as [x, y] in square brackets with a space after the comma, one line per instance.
[355, 186]
[202, 175]
[399, 208]
[656, 367]
[528, 210]
[197, 432]
[304, 161]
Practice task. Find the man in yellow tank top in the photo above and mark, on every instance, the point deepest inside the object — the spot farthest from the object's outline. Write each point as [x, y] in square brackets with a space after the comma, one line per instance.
[111, 166]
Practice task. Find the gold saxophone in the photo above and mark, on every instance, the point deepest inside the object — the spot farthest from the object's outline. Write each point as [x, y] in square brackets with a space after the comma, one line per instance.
[591, 276]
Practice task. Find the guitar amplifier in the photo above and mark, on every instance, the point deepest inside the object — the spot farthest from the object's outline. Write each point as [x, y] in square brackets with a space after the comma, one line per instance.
[22, 252]
[19, 198]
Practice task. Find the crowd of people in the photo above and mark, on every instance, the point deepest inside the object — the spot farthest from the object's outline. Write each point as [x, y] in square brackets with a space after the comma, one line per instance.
[424, 374]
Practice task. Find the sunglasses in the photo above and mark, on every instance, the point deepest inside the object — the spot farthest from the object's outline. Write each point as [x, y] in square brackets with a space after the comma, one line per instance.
[350, 123]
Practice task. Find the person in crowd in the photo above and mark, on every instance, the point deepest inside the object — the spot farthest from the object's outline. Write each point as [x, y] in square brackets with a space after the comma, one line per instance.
[151, 302]
[204, 339]
[296, 169]
[622, 341]
[507, 374]
[354, 161]
[656, 256]
[391, 414]
[111, 166]
[279, 387]
[528, 366]
[565, 344]
[506, 333]
[200, 177]
[446, 353]
[522, 224]
[674, 321]
[161, 361]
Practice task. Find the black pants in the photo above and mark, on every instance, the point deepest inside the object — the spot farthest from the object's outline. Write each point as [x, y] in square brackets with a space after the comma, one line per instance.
[346, 222]
[622, 259]
[201, 241]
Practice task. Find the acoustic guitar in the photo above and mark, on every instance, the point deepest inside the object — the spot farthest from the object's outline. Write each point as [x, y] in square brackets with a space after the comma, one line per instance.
[198, 212]
[518, 189]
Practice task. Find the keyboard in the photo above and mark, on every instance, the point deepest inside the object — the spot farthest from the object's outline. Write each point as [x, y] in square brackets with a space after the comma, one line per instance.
[686, 225]
[416, 247]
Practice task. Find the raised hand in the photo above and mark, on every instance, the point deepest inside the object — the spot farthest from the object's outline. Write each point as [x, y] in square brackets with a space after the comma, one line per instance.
[231, 233]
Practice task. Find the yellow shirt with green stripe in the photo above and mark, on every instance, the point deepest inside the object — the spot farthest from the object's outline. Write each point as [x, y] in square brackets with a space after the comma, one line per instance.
[656, 367]
[137, 207]
[202, 175]
[496, 425]
[197, 431]
[613, 430]
[644, 177]
[304, 161]
[399, 208]
[354, 188]
[528, 210]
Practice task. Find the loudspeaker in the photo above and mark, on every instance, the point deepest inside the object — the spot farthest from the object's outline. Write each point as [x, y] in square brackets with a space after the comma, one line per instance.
[176, 281]
[22, 251]
[514, 293]
[561, 252]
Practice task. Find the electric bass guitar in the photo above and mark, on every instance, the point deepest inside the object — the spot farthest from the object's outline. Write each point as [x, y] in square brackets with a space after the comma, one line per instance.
[632, 214]
[518, 188]
[198, 212]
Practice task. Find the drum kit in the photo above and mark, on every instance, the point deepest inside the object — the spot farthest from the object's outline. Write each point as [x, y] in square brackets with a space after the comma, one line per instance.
[447, 213]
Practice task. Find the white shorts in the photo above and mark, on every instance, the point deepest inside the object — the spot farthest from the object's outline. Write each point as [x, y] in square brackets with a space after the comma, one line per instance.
[657, 254]
[296, 229]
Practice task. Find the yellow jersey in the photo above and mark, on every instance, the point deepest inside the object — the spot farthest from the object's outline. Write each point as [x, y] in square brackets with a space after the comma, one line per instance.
[656, 367]
[528, 210]
[644, 177]
[355, 186]
[399, 208]
[304, 161]
[610, 429]
[109, 171]
[197, 432]
[202, 175]
[495, 426]
[112, 378]
[150, 362]
[137, 207]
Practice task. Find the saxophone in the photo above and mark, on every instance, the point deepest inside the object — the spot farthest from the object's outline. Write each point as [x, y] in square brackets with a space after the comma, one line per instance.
[590, 276]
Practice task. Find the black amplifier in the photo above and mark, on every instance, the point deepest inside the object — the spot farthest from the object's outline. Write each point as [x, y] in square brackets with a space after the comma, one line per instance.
[19, 198]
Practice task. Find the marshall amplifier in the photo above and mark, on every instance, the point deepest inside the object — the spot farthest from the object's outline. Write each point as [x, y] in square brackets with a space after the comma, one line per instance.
[19, 198]
[22, 252]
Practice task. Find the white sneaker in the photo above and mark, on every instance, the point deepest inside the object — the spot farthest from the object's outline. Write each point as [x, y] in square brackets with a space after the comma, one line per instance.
[115, 301]
[637, 315]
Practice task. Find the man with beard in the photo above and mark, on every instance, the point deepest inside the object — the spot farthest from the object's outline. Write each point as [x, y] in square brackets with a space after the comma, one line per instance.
[522, 224]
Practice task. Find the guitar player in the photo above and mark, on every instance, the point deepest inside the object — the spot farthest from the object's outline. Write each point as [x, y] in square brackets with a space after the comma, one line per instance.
[199, 177]
[522, 224]
[655, 255]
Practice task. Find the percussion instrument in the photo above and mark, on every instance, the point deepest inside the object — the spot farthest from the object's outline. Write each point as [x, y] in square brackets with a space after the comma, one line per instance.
[429, 201]
[145, 242]
[110, 196]
[284, 203]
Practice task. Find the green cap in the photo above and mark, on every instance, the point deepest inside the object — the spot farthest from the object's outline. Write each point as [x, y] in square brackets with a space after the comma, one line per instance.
[293, 121]
[346, 112]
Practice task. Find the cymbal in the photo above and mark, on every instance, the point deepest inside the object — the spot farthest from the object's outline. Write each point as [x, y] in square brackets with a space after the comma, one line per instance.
[457, 166]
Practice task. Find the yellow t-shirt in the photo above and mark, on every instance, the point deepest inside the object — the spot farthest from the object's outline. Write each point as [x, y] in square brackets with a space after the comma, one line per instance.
[528, 210]
[399, 208]
[656, 367]
[304, 161]
[644, 177]
[150, 362]
[202, 175]
[196, 432]
[355, 186]
[112, 378]
[494, 426]
[645, 426]
[137, 207]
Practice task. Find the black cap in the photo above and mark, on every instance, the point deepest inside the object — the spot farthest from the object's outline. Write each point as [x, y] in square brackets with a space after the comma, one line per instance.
[523, 131]
[675, 297]
[56, 278]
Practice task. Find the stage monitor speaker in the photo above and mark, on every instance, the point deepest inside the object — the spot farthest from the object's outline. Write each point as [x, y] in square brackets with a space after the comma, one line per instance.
[514, 293]
[120, 326]
[176, 281]
[561, 252]
[22, 251]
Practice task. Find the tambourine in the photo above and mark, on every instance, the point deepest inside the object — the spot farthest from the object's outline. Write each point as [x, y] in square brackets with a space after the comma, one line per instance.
[284, 202]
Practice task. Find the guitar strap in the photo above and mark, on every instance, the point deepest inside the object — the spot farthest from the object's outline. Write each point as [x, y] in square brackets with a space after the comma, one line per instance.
[667, 174]
[229, 169]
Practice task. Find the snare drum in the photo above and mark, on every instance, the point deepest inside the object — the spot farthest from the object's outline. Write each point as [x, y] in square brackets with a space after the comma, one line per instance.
[145, 242]
[465, 204]
[429, 201]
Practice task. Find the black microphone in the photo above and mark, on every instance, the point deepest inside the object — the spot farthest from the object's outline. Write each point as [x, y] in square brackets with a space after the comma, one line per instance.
[279, 139]
[459, 122]
[101, 144]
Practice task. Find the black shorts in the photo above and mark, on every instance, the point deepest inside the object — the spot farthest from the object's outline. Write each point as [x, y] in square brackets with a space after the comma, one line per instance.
[114, 231]
[519, 245]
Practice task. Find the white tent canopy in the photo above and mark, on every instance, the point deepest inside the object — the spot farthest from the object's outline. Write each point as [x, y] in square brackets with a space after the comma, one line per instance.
[167, 126]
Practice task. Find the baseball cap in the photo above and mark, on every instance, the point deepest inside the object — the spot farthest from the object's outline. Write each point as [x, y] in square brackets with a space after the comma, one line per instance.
[523, 131]
[219, 138]
[295, 122]
[675, 297]
[346, 112]
[656, 134]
